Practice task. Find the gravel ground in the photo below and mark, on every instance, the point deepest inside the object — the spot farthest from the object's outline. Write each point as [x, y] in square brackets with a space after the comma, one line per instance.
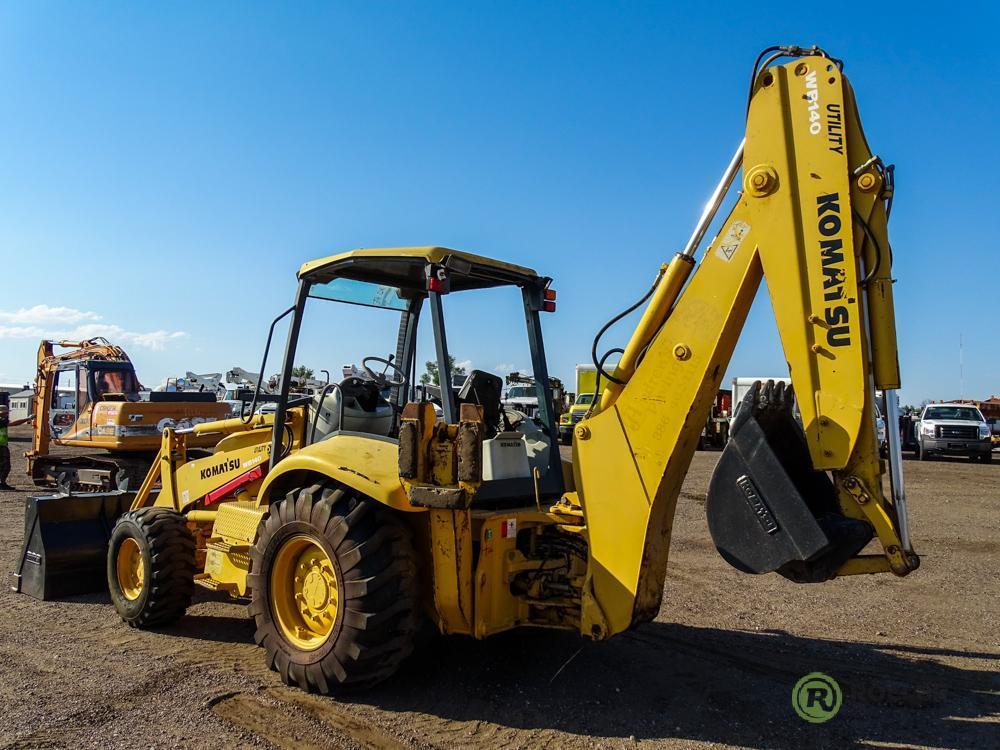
[917, 659]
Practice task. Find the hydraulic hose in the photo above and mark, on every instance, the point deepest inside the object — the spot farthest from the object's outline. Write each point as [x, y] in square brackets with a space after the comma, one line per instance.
[599, 361]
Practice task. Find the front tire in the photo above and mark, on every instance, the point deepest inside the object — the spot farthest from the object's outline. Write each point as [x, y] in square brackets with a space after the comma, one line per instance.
[151, 567]
[334, 590]
[922, 455]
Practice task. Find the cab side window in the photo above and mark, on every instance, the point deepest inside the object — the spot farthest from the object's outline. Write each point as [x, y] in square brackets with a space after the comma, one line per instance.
[66, 393]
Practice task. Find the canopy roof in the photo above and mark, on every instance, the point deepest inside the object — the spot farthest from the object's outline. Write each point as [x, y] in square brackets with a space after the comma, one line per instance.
[404, 267]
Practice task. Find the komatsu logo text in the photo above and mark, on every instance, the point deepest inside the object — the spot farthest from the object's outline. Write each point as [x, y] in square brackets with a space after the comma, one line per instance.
[220, 468]
[831, 250]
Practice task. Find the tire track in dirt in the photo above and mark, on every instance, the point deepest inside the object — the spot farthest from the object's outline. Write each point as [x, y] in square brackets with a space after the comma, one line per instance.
[288, 718]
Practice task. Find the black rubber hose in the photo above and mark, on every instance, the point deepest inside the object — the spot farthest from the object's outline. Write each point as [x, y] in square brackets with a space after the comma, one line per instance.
[878, 248]
[597, 381]
[599, 361]
[785, 51]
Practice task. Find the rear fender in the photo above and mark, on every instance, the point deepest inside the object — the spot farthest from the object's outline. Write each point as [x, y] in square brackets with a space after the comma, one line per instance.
[365, 463]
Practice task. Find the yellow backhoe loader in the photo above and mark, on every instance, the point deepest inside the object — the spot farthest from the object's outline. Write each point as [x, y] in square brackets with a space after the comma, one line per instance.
[348, 515]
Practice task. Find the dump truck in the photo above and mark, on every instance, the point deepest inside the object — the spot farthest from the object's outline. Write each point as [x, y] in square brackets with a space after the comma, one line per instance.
[88, 396]
[347, 523]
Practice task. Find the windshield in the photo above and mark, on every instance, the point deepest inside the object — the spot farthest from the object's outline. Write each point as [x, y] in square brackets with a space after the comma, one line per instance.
[584, 398]
[521, 391]
[968, 413]
[360, 293]
[115, 381]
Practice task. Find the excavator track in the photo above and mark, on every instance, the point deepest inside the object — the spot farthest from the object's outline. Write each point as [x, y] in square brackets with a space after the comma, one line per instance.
[91, 473]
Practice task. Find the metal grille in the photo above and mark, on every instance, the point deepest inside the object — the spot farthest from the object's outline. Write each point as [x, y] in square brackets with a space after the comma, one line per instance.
[965, 432]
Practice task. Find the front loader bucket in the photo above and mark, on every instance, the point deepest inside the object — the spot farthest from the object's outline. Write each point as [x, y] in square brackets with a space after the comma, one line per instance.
[768, 508]
[66, 543]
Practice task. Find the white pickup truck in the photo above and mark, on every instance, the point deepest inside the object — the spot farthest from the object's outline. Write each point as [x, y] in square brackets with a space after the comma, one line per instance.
[954, 429]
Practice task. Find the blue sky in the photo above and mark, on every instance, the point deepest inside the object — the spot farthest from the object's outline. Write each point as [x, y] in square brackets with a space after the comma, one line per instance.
[165, 168]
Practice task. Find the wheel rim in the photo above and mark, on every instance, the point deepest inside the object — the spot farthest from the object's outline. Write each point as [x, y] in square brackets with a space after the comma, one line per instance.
[130, 568]
[304, 592]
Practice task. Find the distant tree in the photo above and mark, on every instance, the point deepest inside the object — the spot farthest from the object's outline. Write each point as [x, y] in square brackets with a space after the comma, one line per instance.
[433, 377]
[302, 372]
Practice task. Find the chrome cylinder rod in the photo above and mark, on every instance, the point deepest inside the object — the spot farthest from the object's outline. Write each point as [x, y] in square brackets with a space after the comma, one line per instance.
[894, 439]
[712, 207]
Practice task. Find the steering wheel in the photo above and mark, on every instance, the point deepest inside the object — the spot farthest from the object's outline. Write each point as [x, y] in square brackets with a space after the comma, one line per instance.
[379, 377]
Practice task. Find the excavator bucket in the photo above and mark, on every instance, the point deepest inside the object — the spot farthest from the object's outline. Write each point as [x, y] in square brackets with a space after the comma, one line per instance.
[768, 508]
[66, 543]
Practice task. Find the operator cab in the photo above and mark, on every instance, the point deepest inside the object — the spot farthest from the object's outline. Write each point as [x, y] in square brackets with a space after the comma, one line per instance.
[411, 282]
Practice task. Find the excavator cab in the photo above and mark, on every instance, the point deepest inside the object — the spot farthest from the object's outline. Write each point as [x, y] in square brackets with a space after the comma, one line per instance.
[79, 386]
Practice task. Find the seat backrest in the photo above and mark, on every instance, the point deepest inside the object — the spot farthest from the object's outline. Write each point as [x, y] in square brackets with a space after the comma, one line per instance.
[363, 410]
[484, 389]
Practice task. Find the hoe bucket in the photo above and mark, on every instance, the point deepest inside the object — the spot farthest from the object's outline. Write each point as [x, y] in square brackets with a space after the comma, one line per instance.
[768, 508]
[66, 543]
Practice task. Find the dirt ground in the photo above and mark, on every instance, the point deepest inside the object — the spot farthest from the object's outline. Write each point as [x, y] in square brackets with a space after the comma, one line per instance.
[918, 659]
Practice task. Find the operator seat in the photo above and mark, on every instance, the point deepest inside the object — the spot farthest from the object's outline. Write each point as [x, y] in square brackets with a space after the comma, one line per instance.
[484, 389]
[513, 448]
[364, 409]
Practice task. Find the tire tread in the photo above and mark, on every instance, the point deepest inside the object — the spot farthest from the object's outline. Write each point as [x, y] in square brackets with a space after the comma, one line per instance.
[380, 590]
[171, 566]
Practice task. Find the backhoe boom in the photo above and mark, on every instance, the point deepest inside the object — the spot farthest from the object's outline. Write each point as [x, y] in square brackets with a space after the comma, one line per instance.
[810, 218]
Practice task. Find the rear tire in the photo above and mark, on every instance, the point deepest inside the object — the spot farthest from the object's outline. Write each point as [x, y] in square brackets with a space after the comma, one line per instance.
[335, 594]
[151, 567]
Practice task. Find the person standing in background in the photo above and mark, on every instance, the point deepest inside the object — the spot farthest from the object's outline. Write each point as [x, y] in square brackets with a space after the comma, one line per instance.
[4, 449]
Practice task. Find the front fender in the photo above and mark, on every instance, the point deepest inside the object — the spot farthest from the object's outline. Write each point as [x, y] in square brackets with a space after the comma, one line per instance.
[366, 463]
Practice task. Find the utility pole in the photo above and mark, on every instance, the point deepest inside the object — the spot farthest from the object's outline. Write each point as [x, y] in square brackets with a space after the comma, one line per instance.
[961, 371]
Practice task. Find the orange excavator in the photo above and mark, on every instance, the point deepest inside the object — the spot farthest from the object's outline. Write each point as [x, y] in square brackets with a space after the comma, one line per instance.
[88, 396]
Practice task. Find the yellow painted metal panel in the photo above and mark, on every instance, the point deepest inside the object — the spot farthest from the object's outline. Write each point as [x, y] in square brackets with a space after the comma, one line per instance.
[631, 458]
[367, 464]
[451, 551]
[803, 222]
[430, 254]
